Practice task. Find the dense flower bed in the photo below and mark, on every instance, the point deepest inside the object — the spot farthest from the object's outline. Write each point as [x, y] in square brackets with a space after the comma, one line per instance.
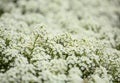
[59, 41]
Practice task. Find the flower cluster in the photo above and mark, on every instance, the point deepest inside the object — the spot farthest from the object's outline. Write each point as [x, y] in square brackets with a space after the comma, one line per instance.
[56, 41]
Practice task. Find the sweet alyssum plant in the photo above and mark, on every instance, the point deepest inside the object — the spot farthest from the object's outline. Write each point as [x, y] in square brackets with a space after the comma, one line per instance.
[59, 41]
